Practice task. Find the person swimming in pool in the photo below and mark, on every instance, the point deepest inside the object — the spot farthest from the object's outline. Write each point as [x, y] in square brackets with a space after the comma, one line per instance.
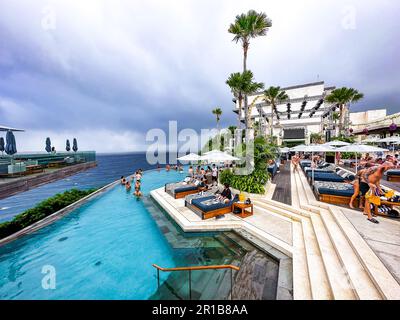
[123, 180]
[128, 186]
[137, 192]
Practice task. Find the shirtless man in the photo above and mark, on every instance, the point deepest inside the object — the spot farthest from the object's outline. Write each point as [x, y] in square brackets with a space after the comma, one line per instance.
[295, 162]
[373, 177]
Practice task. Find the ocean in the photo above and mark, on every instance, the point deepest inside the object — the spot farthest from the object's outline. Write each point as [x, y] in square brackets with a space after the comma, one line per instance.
[110, 168]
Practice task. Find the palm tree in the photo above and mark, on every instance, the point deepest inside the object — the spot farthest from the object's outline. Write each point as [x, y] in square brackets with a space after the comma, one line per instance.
[217, 112]
[247, 26]
[273, 96]
[243, 84]
[230, 128]
[343, 97]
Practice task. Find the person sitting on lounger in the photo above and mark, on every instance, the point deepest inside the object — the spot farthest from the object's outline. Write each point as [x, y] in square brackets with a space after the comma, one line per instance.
[226, 194]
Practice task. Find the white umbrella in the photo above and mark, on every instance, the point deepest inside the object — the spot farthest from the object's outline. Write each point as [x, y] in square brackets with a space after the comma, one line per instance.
[190, 157]
[336, 143]
[390, 140]
[298, 148]
[218, 156]
[360, 148]
[370, 140]
[284, 150]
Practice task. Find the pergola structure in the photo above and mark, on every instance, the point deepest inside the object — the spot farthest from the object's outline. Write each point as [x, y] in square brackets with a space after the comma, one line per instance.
[304, 111]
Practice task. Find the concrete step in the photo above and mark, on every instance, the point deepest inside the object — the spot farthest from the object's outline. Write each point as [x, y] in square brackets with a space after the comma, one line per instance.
[360, 281]
[301, 280]
[320, 288]
[337, 274]
[383, 280]
[274, 209]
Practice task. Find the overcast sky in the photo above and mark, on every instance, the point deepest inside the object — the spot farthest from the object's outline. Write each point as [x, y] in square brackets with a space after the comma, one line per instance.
[108, 71]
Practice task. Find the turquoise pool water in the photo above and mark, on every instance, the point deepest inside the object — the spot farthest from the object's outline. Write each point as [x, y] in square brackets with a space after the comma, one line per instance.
[105, 249]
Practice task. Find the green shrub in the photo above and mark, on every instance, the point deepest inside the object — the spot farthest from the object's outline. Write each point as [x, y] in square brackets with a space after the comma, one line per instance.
[252, 183]
[42, 210]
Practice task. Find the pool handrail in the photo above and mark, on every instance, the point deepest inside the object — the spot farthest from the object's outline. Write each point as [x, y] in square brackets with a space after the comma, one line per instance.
[194, 268]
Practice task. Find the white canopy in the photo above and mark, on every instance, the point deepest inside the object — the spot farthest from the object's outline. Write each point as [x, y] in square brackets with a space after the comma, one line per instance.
[314, 148]
[298, 148]
[336, 143]
[390, 140]
[284, 150]
[218, 156]
[370, 140]
[190, 157]
[360, 148]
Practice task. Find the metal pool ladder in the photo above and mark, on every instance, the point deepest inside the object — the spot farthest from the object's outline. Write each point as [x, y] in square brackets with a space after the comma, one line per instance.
[194, 268]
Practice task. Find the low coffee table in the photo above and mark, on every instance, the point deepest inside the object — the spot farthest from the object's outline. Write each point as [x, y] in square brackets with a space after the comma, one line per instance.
[243, 207]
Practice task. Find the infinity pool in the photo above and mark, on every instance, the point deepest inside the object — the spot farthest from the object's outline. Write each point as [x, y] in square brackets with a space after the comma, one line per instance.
[106, 248]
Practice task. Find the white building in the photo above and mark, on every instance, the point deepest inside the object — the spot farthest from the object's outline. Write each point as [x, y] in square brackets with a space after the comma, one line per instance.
[302, 114]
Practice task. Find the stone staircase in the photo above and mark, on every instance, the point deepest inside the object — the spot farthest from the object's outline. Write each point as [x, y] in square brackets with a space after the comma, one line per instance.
[330, 258]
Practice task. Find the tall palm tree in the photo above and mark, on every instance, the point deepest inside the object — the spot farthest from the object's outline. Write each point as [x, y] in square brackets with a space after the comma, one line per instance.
[247, 26]
[273, 96]
[243, 84]
[217, 112]
[343, 97]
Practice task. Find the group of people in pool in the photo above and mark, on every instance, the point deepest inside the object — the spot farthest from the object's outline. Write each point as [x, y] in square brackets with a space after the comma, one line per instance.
[136, 181]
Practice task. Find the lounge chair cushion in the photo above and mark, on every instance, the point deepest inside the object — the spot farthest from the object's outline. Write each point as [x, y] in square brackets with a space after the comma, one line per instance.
[334, 188]
[323, 176]
[204, 205]
[393, 172]
[184, 189]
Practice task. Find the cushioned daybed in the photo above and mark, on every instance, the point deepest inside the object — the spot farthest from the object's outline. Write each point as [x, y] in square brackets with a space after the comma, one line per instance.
[208, 206]
[180, 190]
[393, 175]
[333, 192]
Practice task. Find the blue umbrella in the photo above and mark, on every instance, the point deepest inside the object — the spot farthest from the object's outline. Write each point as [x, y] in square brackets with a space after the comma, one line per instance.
[48, 145]
[2, 145]
[11, 146]
[75, 145]
[68, 146]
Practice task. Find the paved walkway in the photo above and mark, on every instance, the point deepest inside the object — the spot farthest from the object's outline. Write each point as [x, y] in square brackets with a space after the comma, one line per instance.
[282, 181]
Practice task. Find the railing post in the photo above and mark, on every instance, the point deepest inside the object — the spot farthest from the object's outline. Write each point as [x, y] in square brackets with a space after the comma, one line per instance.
[158, 278]
[190, 284]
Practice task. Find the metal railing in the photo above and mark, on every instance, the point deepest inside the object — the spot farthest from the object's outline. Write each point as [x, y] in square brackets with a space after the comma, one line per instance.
[194, 268]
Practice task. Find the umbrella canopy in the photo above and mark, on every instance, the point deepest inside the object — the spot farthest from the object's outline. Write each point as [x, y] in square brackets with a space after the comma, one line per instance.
[218, 156]
[390, 140]
[370, 140]
[48, 145]
[75, 145]
[284, 150]
[67, 145]
[314, 148]
[336, 143]
[11, 146]
[360, 148]
[2, 144]
[190, 157]
[298, 148]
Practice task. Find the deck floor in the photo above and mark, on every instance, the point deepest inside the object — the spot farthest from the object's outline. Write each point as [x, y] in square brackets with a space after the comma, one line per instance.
[282, 180]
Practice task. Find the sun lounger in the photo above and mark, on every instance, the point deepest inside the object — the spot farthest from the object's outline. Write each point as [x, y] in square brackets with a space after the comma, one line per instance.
[181, 189]
[393, 175]
[208, 206]
[333, 192]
